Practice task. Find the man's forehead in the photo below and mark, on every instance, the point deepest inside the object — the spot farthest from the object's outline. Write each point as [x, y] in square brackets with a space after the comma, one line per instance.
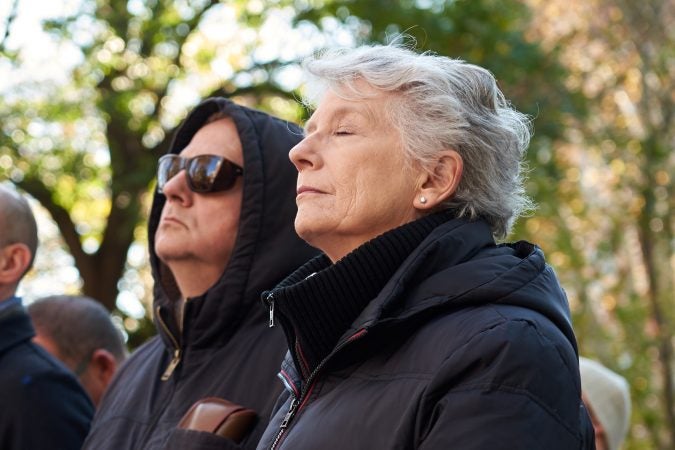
[10, 203]
[216, 138]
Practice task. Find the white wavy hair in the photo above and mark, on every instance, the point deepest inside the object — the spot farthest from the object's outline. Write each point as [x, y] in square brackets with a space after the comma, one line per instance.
[440, 103]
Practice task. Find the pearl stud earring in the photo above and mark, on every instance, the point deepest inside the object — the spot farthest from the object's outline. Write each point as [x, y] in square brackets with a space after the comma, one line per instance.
[423, 200]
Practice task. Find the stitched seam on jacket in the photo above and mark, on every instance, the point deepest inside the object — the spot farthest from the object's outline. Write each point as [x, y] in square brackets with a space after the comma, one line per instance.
[540, 334]
[506, 388]
[393, 377]
[517, 391]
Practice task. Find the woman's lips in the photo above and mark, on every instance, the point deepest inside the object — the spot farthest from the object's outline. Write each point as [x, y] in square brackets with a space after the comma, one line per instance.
[309, 190]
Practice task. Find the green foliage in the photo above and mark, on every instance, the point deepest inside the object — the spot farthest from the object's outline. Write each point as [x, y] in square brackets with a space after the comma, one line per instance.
[135, 54]
[595, 76]
[490, 33]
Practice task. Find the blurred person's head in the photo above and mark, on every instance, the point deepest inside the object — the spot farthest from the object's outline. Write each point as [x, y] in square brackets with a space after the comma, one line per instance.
[18, 240]
[607, 397]
[79, 332]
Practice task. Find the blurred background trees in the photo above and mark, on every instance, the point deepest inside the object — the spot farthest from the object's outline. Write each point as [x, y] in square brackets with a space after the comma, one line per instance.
[619, 260]
[81, 128]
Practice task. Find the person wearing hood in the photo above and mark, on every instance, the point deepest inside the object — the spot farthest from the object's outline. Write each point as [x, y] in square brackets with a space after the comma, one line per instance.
[414, 329]
[220, 232]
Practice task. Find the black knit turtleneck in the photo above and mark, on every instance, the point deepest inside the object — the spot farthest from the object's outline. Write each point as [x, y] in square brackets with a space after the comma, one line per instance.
[319, 301]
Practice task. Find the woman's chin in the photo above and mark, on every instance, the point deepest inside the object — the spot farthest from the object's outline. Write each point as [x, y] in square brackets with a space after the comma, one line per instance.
[304, 230]
[309, 229]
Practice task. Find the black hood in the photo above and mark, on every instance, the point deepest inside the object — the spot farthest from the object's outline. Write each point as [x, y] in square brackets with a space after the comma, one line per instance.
[267, 247]
[458, 266]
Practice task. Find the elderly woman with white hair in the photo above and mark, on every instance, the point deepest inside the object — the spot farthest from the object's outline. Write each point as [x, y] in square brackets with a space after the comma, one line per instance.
[414, 329]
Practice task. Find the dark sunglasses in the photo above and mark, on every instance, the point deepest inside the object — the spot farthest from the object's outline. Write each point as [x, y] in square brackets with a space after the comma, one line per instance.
[205, 173]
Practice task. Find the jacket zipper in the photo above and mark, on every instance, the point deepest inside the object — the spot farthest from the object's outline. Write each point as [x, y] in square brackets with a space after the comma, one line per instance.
[172, 365]
[177, 353]
[175, 360]
[270, 302]
[284, 423]
[297, 403]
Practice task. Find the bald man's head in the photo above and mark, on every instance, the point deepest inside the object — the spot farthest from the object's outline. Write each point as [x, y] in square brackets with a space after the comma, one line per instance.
[17, 223]
[18, 240]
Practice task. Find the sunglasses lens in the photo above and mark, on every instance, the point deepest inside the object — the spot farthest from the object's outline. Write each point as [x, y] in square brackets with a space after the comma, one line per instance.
[169, 166]
[202, 172]
[205, 173]
[227, 175]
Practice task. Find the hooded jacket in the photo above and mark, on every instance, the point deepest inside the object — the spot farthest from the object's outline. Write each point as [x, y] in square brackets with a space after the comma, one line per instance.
[465, 345]
[226, 349]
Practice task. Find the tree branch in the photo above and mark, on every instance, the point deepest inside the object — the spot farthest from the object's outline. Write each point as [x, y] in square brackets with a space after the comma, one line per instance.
[192, 24]
[42, 194]
[8, 24]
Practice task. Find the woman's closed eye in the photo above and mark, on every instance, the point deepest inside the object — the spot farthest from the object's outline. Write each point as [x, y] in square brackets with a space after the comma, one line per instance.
[344, 130]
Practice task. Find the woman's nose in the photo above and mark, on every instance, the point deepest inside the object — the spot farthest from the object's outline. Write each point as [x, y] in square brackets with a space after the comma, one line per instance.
[302, 155]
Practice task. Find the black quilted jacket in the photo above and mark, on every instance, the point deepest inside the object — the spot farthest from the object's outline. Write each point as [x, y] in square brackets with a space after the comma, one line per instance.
[468, 346]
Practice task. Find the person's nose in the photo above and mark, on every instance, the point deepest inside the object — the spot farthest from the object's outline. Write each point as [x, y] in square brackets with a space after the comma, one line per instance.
[303, 155]
[176, 189]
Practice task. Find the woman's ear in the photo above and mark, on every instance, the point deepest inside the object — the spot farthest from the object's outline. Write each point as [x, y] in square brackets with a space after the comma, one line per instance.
[440, 181]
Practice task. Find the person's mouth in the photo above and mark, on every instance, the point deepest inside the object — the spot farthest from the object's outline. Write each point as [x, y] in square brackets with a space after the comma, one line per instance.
[303, 189]
[171, 220]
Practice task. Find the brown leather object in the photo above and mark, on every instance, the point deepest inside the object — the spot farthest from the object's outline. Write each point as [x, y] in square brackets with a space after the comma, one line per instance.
[220, 417]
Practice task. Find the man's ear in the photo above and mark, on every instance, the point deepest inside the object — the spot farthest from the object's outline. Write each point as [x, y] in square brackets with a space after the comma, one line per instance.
[102, 365]
[14, 261]
[439, 182]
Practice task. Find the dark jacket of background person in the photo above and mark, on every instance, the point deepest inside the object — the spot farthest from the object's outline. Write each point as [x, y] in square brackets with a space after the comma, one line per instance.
[42, 406]
[226, 348]
[458, 323]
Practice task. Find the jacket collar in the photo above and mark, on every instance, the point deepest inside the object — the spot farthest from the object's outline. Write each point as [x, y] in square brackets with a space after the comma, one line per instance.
[459, 265]
[10, 302]
[317, 303]
[15, 326]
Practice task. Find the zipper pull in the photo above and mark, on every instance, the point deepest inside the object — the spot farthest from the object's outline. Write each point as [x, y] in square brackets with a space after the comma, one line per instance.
[270, 301]
[289, 415]
[284, 423]
[172, 365]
